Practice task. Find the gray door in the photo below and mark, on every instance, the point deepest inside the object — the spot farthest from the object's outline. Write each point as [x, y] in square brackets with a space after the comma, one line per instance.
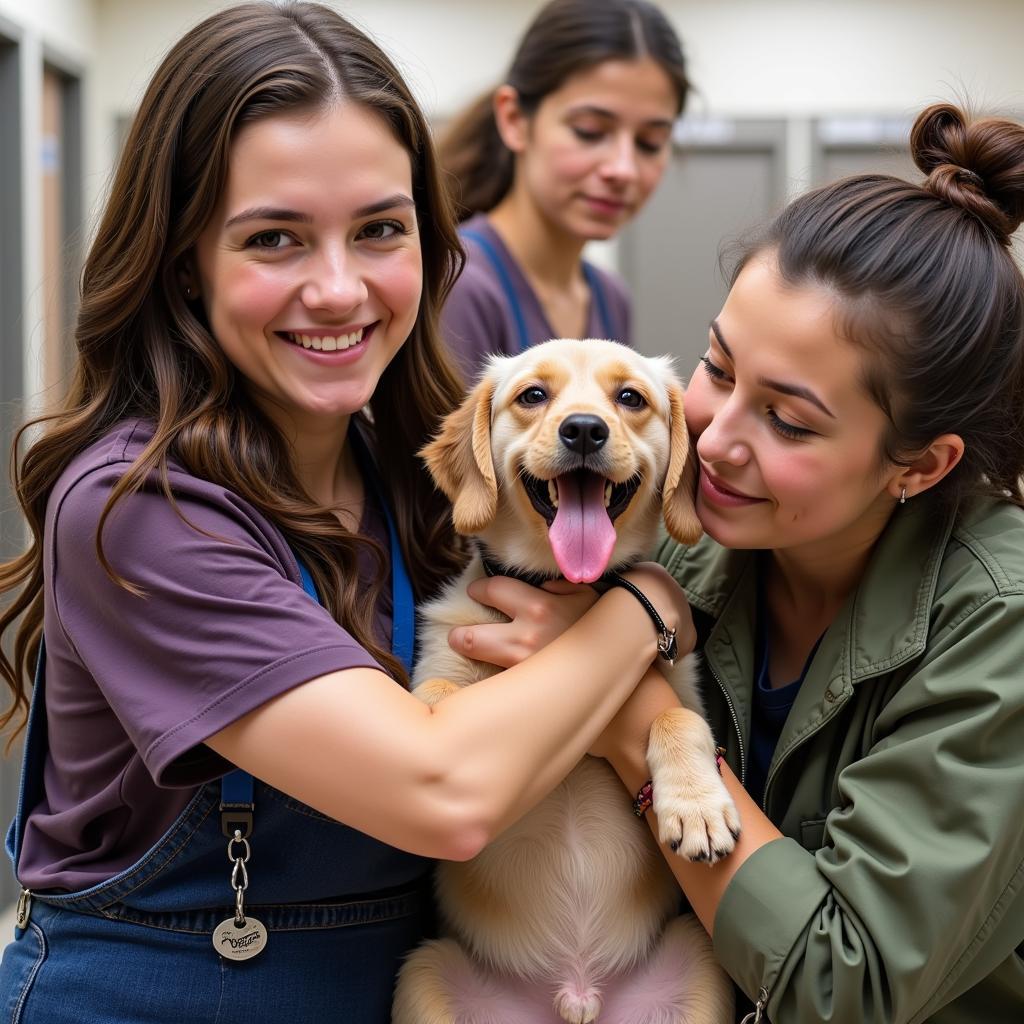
[868, 145]
[862, 145]
[724, 177]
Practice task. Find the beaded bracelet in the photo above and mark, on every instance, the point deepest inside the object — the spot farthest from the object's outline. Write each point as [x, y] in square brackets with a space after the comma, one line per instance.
[645, 796]
[644, 799]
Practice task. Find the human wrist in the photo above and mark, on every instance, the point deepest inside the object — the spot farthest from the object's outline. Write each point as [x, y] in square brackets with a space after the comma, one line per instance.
[627, 742]
[667, 644]
[629, 761]
[664, 595]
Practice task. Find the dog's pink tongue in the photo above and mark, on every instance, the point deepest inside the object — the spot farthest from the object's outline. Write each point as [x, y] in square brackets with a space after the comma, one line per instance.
[582, 535]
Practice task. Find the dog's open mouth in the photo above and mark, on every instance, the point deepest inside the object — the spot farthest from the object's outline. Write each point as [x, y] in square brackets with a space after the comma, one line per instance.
[580, 509]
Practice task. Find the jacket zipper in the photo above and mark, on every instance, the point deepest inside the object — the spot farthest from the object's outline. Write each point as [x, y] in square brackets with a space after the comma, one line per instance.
[735, 723]
[758, 1011]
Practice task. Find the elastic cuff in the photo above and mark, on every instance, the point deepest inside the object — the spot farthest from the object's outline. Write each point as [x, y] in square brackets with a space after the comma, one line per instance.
[764, 910]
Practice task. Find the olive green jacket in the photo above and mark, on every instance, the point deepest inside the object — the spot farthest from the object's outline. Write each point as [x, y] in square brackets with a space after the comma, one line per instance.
[897, 894]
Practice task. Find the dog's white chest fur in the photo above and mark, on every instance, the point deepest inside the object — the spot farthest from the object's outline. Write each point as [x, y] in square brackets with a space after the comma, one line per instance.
[550, 891]
[568, 914]
[547, 899]
[552, 920]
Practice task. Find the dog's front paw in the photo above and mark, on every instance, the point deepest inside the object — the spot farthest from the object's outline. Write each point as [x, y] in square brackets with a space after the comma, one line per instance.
[697, 818]
[696, 815]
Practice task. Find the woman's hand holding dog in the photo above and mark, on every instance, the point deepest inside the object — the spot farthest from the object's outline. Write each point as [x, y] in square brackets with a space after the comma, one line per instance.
[537, 616]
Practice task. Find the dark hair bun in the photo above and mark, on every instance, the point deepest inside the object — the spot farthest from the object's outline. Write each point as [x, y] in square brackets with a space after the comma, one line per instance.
[978, 166]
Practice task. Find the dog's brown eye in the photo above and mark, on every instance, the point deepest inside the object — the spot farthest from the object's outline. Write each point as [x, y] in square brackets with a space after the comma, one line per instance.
[631, 399]
[532, 396]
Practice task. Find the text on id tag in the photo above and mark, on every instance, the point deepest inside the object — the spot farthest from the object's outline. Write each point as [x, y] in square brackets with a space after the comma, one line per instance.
[240, 942]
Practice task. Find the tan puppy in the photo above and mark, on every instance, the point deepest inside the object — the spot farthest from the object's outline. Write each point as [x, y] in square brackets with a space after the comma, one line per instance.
[561, 462]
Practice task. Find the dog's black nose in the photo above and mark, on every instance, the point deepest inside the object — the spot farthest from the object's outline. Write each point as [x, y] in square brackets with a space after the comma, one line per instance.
[583, 434]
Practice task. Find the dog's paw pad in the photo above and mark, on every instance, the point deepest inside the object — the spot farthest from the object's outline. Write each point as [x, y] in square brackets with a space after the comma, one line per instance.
[701, 827]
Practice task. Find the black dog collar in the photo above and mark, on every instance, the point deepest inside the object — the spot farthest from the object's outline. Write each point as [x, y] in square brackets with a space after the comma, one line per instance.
[668, 648]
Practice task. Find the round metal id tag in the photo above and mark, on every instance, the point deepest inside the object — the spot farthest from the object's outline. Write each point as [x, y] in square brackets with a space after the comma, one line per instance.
[240, 941]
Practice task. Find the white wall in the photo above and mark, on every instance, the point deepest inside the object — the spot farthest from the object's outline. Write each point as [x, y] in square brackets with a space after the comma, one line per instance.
[829, 56]
[67, 24]
[792, 58]
[796, 59]
[748, 57]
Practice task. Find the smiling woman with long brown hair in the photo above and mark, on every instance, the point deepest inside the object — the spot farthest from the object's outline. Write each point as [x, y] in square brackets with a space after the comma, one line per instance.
[229, 531]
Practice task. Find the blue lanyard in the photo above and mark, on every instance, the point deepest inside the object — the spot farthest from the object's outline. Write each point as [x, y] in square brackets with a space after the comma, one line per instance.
[236, 788]
[403, 610]
[505, 280]
[597, 291]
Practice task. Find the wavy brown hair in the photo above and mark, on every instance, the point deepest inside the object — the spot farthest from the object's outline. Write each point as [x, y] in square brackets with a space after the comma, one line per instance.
[143, 351]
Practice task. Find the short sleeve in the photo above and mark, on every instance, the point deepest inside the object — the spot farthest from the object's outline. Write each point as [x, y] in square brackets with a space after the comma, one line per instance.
[221, 626]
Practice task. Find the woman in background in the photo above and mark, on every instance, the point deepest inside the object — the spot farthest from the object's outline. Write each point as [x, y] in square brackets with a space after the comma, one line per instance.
[566, 151]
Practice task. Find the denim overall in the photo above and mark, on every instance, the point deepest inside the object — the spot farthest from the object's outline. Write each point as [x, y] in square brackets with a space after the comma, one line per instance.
[341, 910]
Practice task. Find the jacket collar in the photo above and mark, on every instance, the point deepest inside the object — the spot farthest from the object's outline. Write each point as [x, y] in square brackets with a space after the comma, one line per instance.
[891, 608]
[884, 622]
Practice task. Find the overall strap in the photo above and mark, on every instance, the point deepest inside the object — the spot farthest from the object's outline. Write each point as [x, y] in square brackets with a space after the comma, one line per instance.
[403, 606]
[237, 787]
[496, 262]
[403, 609]
[600, 300]
[32, 760]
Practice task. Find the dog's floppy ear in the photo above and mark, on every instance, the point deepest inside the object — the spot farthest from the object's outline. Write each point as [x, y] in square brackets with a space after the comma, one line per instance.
[680, 485]
[459, 460]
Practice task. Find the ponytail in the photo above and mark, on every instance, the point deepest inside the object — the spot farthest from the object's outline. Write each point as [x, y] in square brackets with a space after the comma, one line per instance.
[479, 165]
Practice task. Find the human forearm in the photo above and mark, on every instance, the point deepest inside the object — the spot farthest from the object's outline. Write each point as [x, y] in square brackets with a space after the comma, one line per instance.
[702, 883]
[566, 695]
[444, 780]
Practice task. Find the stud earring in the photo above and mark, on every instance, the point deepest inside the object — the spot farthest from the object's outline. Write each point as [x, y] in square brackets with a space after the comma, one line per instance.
[188, 292]
[903, 495]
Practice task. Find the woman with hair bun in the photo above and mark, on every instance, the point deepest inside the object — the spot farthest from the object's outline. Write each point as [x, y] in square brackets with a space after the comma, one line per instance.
[859, 595]
[858, 419]
[566, 151]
